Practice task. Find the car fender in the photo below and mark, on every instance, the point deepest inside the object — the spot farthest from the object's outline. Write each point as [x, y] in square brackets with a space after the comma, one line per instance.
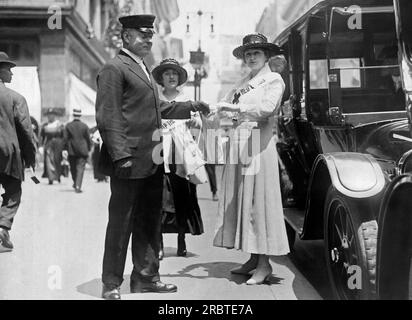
[353, 175]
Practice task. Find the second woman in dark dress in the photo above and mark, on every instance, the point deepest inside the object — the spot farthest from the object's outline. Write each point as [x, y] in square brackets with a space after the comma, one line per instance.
[179, 195]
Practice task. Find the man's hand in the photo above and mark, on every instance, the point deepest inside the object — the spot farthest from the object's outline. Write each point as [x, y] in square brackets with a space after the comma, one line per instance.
[65, 154]
[123, 168]
[201, 107]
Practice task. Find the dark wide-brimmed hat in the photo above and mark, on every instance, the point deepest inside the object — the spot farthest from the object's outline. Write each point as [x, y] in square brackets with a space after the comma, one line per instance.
[256, 41]
[5, 60]
[141, 22]
[169, 64]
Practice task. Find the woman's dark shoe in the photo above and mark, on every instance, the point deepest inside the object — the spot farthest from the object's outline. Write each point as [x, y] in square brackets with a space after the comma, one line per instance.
[181, 246]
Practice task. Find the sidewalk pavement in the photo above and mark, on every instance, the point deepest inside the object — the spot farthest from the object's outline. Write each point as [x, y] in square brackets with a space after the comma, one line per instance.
[59, 240]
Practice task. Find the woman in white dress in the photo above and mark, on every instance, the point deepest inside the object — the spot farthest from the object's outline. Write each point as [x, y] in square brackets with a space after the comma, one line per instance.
[250, 214]
[170, 76]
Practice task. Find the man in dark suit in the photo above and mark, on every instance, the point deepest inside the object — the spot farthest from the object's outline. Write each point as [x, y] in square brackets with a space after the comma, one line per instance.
[17, 149]
[128, 114]
[78, 145]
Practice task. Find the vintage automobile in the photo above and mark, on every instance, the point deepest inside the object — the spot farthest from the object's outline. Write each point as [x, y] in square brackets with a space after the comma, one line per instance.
[345, 142]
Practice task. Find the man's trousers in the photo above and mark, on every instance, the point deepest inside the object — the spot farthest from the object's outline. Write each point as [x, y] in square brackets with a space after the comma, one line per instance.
[134, 209]
[11, 200]
[77, 166]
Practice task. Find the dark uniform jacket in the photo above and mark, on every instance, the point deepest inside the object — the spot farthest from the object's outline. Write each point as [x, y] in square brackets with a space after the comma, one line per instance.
[77, 139]
[128, 115]
[17, 148]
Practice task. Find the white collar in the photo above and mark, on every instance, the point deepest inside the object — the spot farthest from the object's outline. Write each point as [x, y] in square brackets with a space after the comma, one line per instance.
[136, 58]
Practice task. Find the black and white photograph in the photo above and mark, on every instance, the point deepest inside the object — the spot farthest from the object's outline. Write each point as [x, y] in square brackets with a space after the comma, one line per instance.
[214, 152]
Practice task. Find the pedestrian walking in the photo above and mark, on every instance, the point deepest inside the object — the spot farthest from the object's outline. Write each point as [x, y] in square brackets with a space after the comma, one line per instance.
[51, 138]
[250, 214]
[128, 114]
[17, 149]
[170, 75]
[78, 145]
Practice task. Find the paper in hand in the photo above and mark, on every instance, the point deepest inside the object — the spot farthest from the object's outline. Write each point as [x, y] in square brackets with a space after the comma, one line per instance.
[213, 111]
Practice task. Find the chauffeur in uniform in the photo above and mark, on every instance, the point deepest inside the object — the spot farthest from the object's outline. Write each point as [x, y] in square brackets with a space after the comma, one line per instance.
[128, 114]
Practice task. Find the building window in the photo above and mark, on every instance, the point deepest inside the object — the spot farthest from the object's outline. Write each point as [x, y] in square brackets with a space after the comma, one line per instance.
[23, 52]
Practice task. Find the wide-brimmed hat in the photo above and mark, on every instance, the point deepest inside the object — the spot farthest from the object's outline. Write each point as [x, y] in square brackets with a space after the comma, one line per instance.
[256, 41]
[77, 112]
[4, 59]
[169, 64]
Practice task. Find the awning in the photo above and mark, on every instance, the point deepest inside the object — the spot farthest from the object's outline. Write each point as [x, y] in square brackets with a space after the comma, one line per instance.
[26, 82]
[82, 97]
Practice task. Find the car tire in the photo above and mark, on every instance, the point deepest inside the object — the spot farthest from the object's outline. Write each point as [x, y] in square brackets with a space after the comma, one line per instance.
[350, 249]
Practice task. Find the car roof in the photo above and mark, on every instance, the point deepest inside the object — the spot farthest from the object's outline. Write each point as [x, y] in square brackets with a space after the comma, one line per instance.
[322, 6]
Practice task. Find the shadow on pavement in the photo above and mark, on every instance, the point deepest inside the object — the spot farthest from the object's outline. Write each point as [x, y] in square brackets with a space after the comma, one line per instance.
[217, 270]
[91, 288]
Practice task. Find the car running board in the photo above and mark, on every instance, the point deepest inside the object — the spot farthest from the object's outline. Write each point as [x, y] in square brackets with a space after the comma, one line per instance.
[295, 218]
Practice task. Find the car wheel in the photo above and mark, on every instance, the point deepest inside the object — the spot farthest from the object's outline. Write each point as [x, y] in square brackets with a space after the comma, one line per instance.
[350, 249]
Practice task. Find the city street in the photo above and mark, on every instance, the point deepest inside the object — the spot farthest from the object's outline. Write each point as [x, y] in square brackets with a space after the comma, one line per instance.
[59, 235]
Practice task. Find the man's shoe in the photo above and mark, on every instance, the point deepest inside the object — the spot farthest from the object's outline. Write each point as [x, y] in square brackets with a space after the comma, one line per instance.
[5, 242]
[78, 190]
[215, 197]
[111, 293]
[158, 287]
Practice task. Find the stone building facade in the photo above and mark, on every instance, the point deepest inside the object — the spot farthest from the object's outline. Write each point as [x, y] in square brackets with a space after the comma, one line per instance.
[60, 39]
